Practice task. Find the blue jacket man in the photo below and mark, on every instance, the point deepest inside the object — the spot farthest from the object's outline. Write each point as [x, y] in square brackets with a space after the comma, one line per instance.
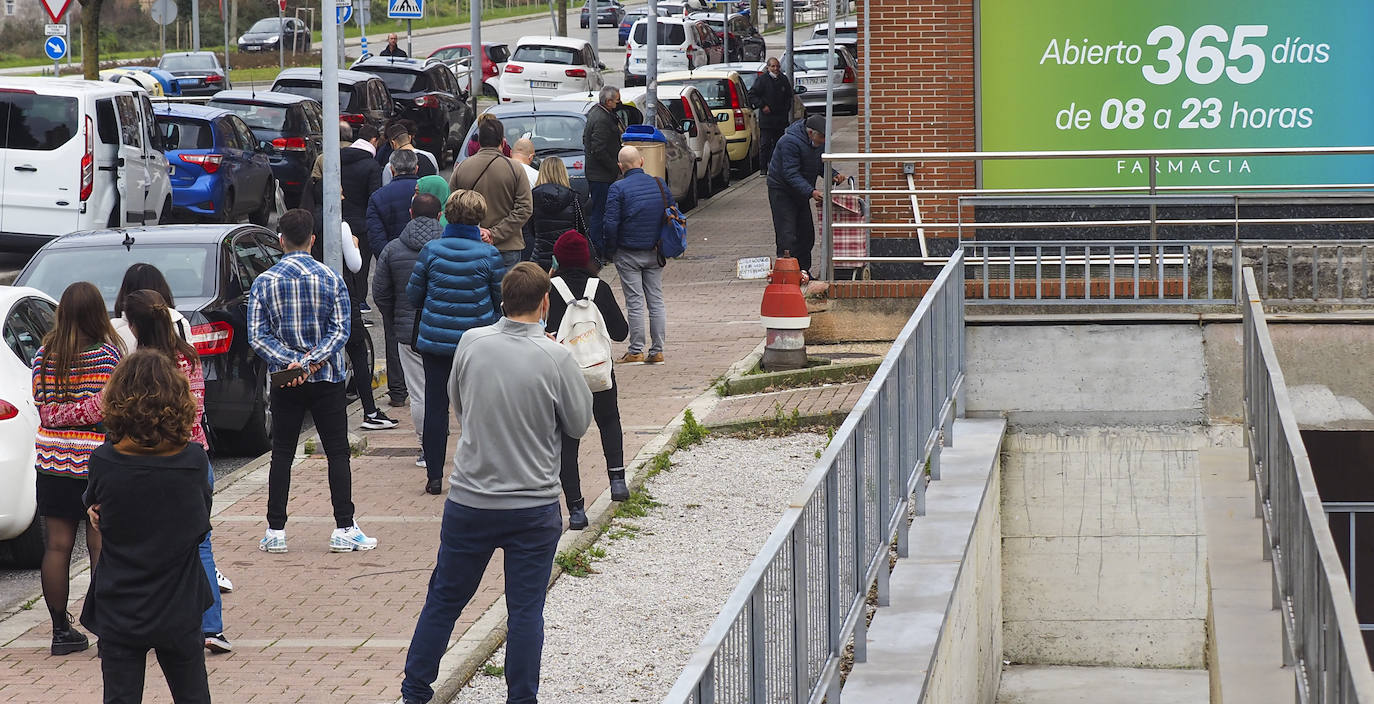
[634, 217]
[388, 209]
[792, 177]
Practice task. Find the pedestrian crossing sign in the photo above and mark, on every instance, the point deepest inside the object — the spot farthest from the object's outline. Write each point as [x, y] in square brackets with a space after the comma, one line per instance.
[405, 9]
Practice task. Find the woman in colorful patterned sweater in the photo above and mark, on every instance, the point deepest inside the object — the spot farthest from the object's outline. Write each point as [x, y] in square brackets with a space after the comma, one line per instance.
[77, 358]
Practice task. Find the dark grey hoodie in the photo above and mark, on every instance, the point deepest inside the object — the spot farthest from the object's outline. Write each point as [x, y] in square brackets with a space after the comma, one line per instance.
[392, 273]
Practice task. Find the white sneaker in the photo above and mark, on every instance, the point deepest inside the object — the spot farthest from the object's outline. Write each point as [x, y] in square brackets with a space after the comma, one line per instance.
[274, 542]
[225, 586]
[420, 461]
[350, 539]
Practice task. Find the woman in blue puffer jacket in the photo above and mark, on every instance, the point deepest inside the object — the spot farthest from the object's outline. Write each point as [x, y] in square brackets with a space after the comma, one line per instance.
[456, 286]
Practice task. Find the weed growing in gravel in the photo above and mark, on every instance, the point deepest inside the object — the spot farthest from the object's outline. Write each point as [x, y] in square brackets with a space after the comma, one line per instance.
[578, 563]
[784, 422]
[692, 432]
[621, 532]
[309, 446]
[637, 506]
[660, 463]
[491, 670]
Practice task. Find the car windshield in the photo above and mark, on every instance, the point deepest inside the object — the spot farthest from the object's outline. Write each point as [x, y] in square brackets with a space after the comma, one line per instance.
[748, 78]
[545, 54]
[266, 117]
[546, 131]
[187, 268]
[188, 62]
[668, 33]
[313, 91]
[814, 60]
[185, 133]
[716, 91]
[452, 52]
[400, 81]
[38, 122]
[263, 26]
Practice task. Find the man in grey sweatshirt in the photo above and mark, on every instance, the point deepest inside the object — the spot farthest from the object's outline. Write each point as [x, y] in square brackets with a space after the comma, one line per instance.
[516, 392]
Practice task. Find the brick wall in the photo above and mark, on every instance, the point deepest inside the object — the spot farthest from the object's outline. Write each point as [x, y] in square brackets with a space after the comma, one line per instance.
[923, 100]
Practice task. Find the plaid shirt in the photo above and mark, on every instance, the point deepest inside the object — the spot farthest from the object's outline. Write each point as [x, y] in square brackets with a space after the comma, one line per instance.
[298, 312]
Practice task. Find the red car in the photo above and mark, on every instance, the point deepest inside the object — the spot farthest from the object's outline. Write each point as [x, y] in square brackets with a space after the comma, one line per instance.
[494, 58]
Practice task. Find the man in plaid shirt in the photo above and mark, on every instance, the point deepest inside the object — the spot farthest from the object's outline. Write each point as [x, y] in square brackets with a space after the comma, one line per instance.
[298, 318]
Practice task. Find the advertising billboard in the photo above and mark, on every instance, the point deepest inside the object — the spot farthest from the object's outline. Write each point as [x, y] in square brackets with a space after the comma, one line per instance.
[1175, 74]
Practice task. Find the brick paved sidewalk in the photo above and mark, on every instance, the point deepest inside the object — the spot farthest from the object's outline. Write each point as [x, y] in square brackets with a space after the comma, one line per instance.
[810, 402]
[310, 626]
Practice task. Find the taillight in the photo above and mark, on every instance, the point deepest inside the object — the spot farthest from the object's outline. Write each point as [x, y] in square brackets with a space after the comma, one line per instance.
[691, 48]
[214, 78]
[353, 119]
[848, 75]
[212, 338]
[289, 144]
[426, 101]
[576, 73]
[734, 95]
[686, 108]
[209, 162]
[514, 68]
[7, 410]
[88, 163]
[489, 69]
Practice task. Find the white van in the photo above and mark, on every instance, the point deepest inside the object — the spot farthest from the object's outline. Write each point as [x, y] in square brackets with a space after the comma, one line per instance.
[683, 45]
[77, 155]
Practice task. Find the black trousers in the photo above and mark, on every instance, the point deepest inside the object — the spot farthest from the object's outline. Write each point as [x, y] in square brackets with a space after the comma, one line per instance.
[768, 138]
[356, 349]
[326, 404]
[606, 411]
[794, 230]
[395, 376]
[182, 660]
[434, 440]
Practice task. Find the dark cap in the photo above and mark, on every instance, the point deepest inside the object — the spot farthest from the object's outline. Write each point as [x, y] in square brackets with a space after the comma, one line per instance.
[817, 123]
[395, 131]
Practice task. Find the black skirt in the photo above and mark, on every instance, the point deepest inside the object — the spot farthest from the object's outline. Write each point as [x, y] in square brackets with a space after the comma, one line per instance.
[61, 497]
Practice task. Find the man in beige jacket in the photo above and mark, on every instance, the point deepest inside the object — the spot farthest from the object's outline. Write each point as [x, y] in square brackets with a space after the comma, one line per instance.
[501, 180]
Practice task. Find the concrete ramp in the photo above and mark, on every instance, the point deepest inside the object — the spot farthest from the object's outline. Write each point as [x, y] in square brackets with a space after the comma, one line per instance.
[1051, 684]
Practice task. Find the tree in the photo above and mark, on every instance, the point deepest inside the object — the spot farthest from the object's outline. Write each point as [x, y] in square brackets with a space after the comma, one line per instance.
[90, 39]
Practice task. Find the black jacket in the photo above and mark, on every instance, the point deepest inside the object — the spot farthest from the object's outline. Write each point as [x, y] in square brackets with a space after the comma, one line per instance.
[360, 176]
[556, 210]
[149, 585]
[576, 279]
[776, 93]
[601, 140]
[395, 264]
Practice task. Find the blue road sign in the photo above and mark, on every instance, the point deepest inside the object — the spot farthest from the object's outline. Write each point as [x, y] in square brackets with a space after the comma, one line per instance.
[55, 48]
[405, 9]
[343, 13]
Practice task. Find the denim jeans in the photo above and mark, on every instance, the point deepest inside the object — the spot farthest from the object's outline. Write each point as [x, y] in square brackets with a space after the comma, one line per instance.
[641, 278]
[468, 536]
[598, 191]
[213, 619]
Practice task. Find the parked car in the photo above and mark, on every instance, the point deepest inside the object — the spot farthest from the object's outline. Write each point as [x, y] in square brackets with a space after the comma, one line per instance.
[846, 35]
[138, 79]
[749, 72]
[426, 92]
[545, 67]
[494, 58]
[633, 15]
[210, 269]
[681, 164]
[169, 84]
[810, 61]
[220, 170]
[292, 124]
[609, 13]
[694, 119]
[26, 315]
[270, 34]
[725, 93]
[683, 45]
[363, 97]
[77, 154]
[746, 43]
[197, 72]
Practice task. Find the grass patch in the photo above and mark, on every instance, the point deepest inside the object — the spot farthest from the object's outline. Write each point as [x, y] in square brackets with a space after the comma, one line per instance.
[29, 604]
[493, 670]
[623, 532]
[309, 446]
[785, 422]
[637, 506]
[578, 563]
[691, 433]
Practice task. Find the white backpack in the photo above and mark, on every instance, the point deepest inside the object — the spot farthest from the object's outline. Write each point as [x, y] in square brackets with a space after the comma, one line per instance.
[583, 333]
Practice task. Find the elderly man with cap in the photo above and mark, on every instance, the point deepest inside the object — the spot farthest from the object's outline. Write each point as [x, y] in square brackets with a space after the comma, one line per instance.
[792, 177]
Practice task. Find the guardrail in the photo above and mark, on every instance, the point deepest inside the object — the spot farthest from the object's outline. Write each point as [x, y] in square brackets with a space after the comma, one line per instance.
[782, 634]
[1321, 632]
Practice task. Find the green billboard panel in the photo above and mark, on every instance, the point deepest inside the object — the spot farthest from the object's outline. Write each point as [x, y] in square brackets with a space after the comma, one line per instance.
[1176, 74]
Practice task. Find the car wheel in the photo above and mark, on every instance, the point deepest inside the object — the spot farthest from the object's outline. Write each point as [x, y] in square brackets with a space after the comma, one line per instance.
[256, 436]
[724, 179]
[26, 549]
[489, 92]
[165, 215]
[226, 208]
[690, 202]
[263, 214]
[704, 185]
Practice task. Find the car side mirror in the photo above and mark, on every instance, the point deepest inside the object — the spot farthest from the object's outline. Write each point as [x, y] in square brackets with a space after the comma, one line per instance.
[264, 146]
[689, 128]
[799, 89]
[600, 66]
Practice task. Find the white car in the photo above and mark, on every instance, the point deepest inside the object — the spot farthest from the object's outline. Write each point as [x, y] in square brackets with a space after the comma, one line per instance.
[696, 121]
[547, 67]
[683, 45]
[26, 315]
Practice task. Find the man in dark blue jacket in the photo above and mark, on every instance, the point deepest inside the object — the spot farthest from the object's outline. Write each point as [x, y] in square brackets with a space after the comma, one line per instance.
[792, 177]
[634, 217]
[388, 210]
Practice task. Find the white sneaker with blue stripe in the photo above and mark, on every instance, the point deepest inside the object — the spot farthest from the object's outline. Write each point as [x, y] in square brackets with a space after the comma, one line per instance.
[350, 539]
[274, 542]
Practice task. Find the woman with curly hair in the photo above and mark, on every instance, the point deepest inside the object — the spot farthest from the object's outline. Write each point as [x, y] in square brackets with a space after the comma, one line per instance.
[149, 590]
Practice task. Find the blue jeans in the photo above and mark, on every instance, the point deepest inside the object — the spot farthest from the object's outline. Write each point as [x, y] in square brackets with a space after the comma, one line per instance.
[213, 619]
[467, 538]
[597, 212]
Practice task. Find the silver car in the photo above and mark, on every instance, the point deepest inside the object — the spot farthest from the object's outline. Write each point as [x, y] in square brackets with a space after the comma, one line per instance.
[809, 70]
[751, 71]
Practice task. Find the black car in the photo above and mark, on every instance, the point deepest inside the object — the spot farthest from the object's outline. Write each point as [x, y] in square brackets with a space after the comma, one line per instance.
[609, 13]
[746, 43]
[197, 72]
[427, 93]
[270, 33]
[292, 124]
[210, 269]
[363, 97]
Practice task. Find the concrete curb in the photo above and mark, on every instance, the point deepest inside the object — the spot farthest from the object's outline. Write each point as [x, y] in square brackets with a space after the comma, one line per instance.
[735, 385]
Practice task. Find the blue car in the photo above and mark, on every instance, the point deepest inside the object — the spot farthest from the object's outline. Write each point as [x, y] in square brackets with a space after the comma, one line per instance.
[220, 172]
[170, 86]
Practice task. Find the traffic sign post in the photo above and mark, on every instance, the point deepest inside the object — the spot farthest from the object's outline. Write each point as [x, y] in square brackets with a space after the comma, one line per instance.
[55, 46]
[281, 33]
[343, 12]
[406, 10]
[163, 13]
[56, 8]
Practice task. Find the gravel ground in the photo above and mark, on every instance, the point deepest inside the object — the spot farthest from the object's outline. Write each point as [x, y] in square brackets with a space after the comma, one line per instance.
[624, 633]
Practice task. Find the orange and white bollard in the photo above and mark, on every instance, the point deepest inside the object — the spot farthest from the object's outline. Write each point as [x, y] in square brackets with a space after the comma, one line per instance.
[785, 317]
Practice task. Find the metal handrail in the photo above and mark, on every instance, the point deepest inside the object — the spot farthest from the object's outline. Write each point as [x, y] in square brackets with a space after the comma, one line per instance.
[1095, 154]
[1321, 631]
[782, 634]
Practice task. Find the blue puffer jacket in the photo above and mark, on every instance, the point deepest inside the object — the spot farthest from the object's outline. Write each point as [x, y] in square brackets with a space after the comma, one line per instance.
[796, 162]
[634, 212]
[388, 211]
[456, 286]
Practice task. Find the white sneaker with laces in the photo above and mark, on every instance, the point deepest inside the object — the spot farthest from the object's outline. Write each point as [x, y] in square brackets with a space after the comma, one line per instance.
[225, 586]
[378, 421]
[274, 542]
[420, 461]
[350, 539]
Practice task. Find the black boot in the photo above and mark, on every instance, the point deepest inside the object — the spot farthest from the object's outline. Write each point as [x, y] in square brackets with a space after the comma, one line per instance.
[66, 639]
[577, 514]
[619, 491]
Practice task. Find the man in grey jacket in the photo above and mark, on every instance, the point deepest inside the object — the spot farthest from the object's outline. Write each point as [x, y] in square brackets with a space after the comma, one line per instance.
[516, 393]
